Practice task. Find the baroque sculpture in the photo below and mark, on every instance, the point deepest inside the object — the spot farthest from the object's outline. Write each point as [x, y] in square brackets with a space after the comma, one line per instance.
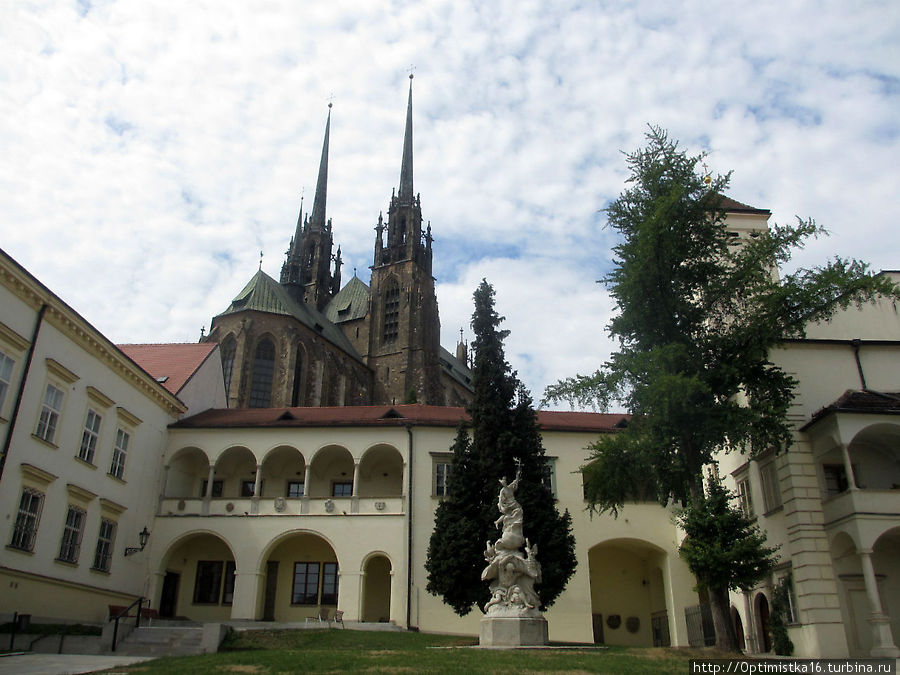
[512, 575]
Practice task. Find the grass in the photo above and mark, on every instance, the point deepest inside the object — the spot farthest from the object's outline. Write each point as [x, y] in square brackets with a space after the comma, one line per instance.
[271, 652]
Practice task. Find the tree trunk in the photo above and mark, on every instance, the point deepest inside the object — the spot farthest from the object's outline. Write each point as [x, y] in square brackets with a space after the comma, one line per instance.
[726, 639]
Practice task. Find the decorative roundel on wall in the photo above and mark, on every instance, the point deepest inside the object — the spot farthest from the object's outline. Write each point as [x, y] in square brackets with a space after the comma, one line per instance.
[614, 621]
[632, 624]
[280, 504]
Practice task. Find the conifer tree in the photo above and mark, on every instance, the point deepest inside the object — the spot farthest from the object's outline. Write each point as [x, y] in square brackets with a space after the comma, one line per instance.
[503, 428]
[697, 313]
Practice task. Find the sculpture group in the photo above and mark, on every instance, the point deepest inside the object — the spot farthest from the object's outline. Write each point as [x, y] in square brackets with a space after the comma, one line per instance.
[512, 615]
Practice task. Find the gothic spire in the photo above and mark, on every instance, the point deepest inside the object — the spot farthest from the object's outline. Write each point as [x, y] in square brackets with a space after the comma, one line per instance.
[317, 219]
[406, 168]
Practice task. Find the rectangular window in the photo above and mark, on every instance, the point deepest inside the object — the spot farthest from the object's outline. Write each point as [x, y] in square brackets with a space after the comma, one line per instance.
[70, 545]
[306, 584]
[50, 412]
[228, 588]
[342, 488]
[105, 538]
[89, 437]
[746, 501]
[294, 489]
[248, 486]
[208, 582]
[6, 366]
[549, 475]
[216, 490]
[768, 477]
[329, 583]
[442, 479]
[120, 453]
[27, 519]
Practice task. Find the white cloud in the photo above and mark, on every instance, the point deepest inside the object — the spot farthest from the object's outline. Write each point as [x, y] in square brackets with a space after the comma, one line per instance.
[152, 149]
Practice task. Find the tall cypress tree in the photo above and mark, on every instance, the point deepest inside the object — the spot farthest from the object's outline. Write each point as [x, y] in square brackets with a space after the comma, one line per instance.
[503, 429]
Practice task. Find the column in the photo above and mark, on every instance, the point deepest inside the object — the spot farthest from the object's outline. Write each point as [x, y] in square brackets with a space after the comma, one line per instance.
[306, 476]
[246, 594]
[882, 640]
[356, 479]
[254, 501]
[350, 594]
[848, 468]
[209, 486]
[749, 624]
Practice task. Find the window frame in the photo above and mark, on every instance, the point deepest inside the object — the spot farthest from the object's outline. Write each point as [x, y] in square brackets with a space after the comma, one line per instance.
[309, 593]
[744, 495]
[73, 531]
[771, 492]
[106, 539]
[8, 363]
[50, 414]
[119, 453]
[391, 319]
[287, 489]
[330, 581]
[90, 436]
[217, 488]
[440, 484]
[23, 536]
[336, 483]
[210, 572]
[262, 376]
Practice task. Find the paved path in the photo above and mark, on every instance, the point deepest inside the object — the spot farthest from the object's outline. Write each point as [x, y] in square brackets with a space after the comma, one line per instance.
[62, 664]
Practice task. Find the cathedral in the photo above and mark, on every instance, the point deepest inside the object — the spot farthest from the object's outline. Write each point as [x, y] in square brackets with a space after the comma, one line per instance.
[305, 341]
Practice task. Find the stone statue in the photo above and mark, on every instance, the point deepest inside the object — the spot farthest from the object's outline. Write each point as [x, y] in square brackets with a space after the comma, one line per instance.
[511, 573]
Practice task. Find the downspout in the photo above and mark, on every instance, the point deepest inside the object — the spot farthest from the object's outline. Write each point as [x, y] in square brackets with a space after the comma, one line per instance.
[409, 528]
[862, 376]
[21, 393]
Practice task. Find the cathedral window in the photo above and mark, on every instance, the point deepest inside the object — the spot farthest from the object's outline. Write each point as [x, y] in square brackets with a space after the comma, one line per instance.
[227, 351]
[391, 313]
[263, 370]
[298, 378]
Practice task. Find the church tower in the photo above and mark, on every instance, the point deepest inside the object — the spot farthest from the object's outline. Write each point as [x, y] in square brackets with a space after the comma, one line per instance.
[404, 333]
[306, 273]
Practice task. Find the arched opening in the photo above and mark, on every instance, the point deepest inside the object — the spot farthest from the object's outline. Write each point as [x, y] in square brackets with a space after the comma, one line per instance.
[283, 473]
[628, 599]
[198, 579]
[187, 469]
[875, 455]
[377, 590]
[738, 628]
[886, 561]
[297, 385]
[263, 373]
[235, 474]
[300, 578]
[227, 349]
[381, 472]
[331, 473]
[763, 630]
[391, 327]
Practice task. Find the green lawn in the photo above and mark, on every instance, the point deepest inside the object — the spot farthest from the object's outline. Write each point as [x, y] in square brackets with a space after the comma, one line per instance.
[347, 651]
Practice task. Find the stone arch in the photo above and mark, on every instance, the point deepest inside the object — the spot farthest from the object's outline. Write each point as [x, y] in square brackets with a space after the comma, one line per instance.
[198, 572]
[186, 470]
[875, 455]
[377, 572]
[625, 586]
[738, 627]
[300, 572]
[381, 472]
[235, 468]
[283, 467]
[331, 470]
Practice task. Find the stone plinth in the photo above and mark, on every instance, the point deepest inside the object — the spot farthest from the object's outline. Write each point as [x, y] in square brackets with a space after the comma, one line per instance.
[507, 631]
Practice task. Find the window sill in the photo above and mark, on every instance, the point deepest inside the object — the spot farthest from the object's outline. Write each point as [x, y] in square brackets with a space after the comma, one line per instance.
[95, 570]
[85, 462]
[67, 563]
[772, 512]
[19, 550]
[117, 479]
[49, 444]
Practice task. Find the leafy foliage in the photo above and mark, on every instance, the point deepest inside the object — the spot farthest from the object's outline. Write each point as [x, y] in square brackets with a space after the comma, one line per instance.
[724, 548]
[503, 428]
[781, 642]
[698, 311]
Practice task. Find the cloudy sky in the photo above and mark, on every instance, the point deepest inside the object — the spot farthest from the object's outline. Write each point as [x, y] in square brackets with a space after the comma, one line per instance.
[150, 150]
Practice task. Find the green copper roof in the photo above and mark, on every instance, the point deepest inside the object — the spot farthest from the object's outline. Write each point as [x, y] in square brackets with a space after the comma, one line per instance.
[263, 294]
[352, 302]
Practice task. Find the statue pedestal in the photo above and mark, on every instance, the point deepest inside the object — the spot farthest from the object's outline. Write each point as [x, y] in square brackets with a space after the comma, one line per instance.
[513, 631]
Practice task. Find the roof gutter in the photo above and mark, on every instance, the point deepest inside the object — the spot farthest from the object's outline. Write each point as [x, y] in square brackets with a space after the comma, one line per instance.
[21, 393]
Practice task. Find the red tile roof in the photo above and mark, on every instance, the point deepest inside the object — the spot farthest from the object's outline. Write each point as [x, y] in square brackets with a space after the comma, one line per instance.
[385, 415]
[175, 362]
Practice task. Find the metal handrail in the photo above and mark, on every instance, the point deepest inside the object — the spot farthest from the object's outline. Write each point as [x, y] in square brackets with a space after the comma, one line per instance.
[124, 613]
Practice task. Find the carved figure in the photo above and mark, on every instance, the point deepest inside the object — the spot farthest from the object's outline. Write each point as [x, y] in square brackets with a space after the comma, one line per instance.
[512, 575]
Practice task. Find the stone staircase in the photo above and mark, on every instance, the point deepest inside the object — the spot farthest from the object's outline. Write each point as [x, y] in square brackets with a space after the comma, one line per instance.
[158, 641]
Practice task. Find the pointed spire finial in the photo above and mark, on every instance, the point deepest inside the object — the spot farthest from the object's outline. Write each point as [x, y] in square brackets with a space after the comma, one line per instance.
[406, 167]
[260, 260]
[317, 219]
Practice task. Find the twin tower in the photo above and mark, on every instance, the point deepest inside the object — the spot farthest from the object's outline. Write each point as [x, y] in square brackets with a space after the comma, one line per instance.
[305, 341]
